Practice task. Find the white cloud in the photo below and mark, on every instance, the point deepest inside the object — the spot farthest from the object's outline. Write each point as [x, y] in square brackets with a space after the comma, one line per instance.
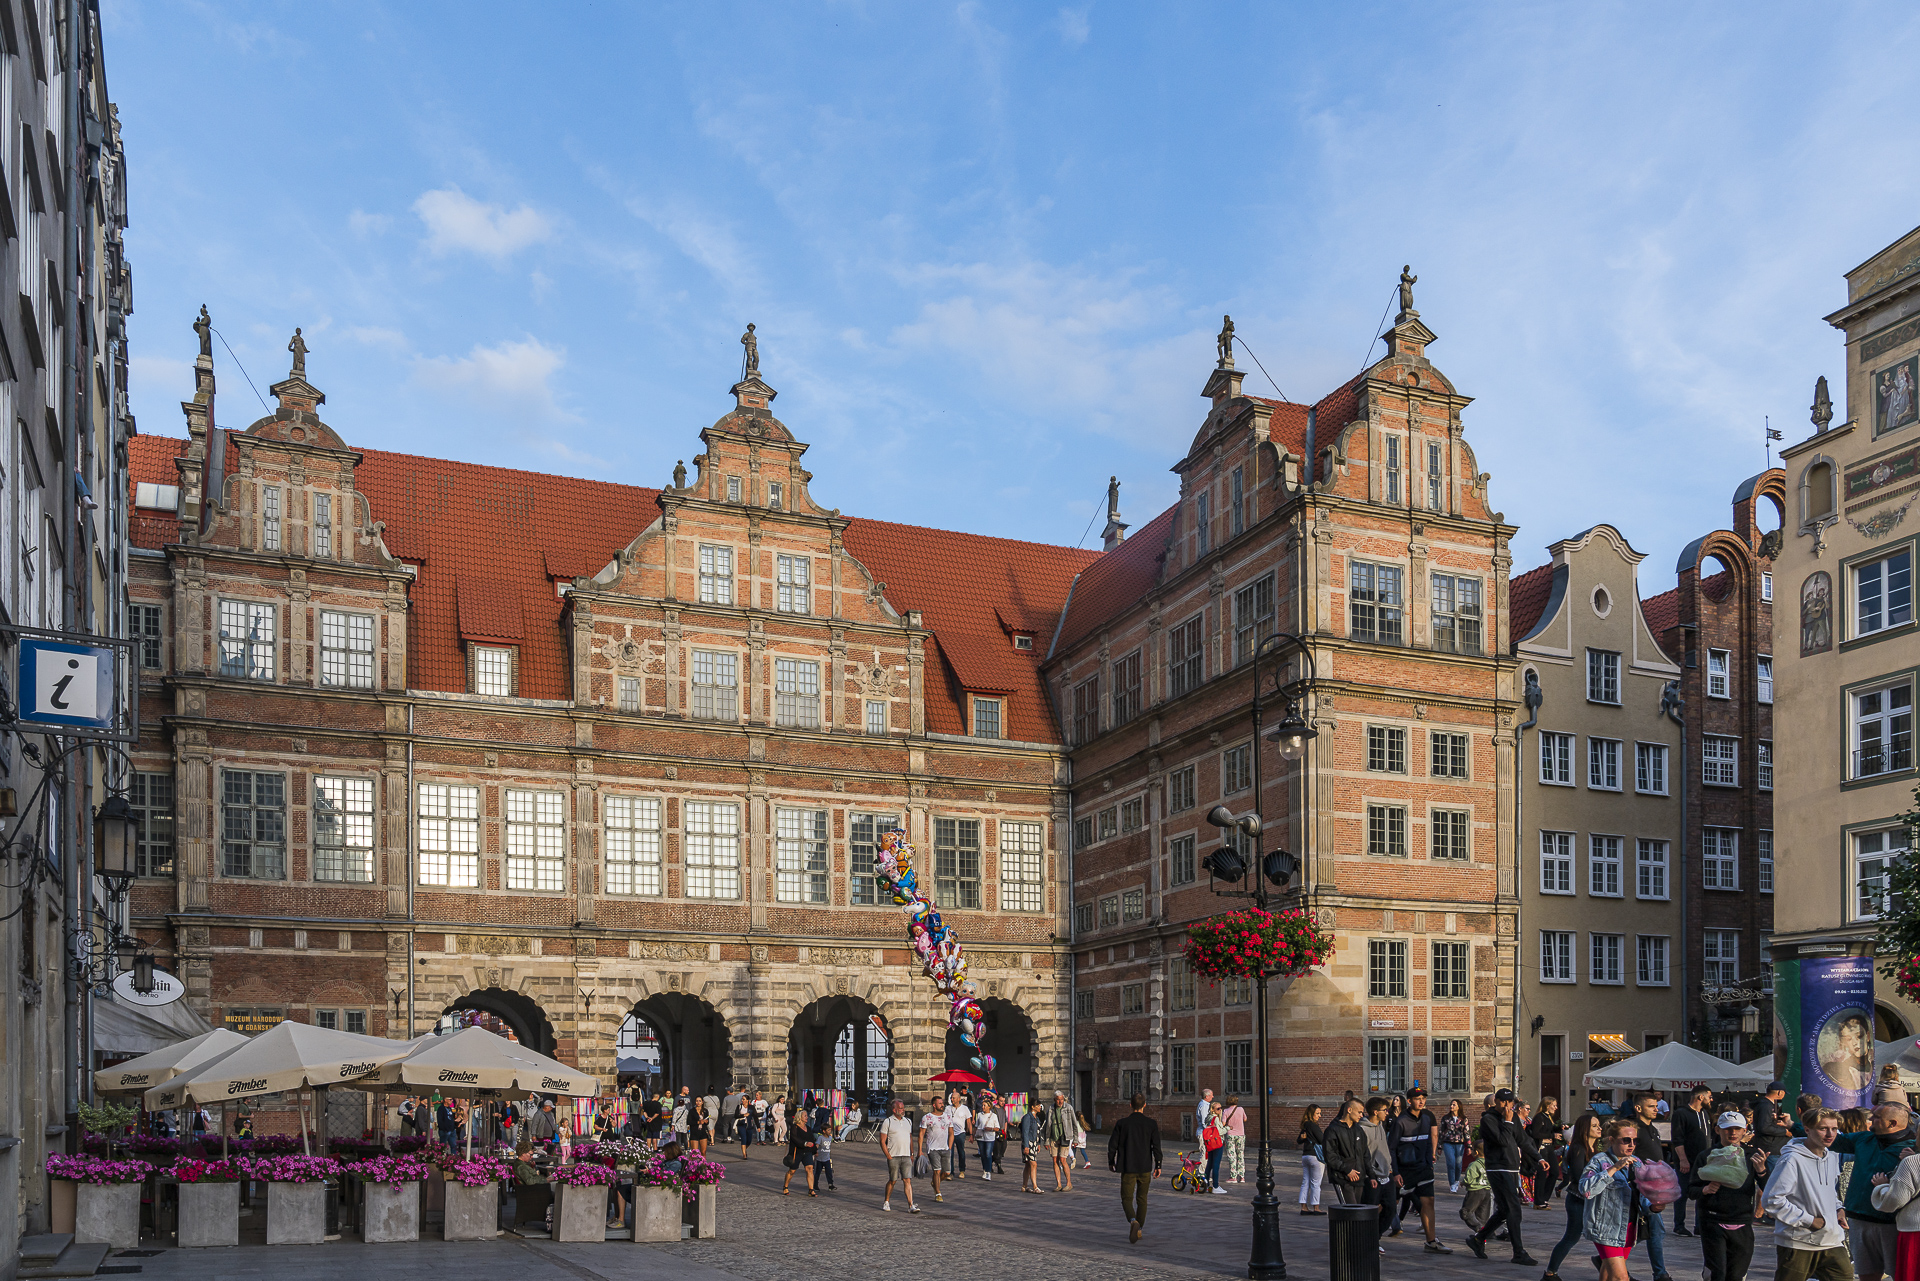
[364, 224]
[374, 336]
[456, 221]
[1074, 25]
[508, 375]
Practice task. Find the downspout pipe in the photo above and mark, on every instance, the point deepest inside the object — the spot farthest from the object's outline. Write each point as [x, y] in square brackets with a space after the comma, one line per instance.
[412, 837]
[1674, 707]
[1533, 697]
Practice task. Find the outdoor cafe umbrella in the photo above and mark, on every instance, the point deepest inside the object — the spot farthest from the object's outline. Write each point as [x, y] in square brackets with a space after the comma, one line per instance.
[952, 1075]
[475, 1063]
[1674, 1066]
[136, 1076]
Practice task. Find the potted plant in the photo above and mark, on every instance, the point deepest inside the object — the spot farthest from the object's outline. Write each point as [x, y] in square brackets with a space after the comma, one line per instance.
[392, 1186]
[580, 1201]
[157, 1148]
[209, 1202]
[296, 1196]
[473, 1197]
[700, 1180]
[107, 1201]
[1251, 943]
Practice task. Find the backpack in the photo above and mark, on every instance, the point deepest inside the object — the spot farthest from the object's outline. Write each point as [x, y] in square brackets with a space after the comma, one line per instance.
[1211, 1136]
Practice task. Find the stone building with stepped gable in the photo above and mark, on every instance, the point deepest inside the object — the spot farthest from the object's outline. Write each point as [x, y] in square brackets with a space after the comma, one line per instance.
[441, 737]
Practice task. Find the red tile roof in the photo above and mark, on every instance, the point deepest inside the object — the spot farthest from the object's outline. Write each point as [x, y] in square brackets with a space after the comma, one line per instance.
[1527, 598]
[1662, 613]
[1119, 579]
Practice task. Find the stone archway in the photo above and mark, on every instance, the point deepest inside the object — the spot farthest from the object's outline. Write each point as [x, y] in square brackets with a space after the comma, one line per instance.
[695, 1045]
[840, 1042]
[1009, 1038]
[528, 1022]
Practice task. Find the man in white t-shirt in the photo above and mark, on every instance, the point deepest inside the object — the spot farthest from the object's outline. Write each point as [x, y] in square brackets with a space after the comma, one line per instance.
[959, 1118]
[936, 1140]
[896, 1141]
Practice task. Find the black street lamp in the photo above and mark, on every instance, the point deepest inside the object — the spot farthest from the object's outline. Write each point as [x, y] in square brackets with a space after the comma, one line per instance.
[1275, 868]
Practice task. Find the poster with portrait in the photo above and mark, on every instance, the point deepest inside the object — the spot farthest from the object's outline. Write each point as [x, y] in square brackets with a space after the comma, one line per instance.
[1836, 1029]
[1816, 614]
[1896, 396]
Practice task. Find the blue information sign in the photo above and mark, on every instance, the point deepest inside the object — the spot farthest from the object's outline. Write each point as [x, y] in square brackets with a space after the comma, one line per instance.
[66, 684]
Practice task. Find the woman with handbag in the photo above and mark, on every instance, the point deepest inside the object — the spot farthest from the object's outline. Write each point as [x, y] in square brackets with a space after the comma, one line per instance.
[1613, 1203]
[1233, 1123]
[801, 1150]
[1312, 1143]
[1454, 1133]
[1215, 1144]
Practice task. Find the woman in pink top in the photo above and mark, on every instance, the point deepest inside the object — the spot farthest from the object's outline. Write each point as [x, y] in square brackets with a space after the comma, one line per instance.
[1233, 1125]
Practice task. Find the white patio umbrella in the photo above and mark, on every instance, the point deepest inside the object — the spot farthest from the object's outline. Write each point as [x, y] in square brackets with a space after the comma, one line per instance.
[1674, 1066]
[1904, 1053]
[475, 1063]
[136, 1076]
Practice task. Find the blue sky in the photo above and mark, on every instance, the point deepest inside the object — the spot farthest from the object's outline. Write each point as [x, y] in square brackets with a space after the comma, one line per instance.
[987, 245]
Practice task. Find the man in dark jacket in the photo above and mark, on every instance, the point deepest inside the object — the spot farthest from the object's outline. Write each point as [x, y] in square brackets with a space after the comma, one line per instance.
[1648, 1147]
[1691, 1143]
[1769, 1131]
[1133, 1152]
[1349, 1161]
[1507, 1151]
[1870, 1232]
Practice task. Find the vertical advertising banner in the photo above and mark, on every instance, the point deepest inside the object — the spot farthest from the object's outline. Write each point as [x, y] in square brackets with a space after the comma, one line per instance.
[1832, 1045]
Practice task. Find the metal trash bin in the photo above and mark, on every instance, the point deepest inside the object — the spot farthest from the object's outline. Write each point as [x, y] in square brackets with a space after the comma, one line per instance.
[1353, 1242]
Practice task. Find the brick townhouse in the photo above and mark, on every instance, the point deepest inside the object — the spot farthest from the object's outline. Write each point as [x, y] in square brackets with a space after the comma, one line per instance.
[1718, 625]
[425, 736]
[1361, 523]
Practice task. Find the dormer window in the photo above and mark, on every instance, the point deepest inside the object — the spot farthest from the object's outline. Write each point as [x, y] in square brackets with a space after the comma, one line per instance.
[986, 717]
[323, 525]
[493, 670]
[164, 498]
[775, 494]
[1021, 641]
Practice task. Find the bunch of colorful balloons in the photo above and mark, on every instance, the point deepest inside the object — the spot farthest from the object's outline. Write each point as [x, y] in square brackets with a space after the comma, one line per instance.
[934, 943]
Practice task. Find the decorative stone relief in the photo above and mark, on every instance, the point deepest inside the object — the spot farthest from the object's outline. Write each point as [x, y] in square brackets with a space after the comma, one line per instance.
[494, 945]
[848, 956]
[666, 951]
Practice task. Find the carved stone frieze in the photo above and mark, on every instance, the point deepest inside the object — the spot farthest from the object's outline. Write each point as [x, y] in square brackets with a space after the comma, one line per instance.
[657, 951]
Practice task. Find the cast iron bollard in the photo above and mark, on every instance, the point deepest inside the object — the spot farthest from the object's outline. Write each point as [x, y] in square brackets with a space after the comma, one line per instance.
[1353, 1242]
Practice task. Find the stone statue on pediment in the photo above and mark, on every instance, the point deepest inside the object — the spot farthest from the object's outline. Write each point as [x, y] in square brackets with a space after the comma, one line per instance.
[1407, 281]
[298, 346]
[204, 327]
[1226, 342]
[752, 345]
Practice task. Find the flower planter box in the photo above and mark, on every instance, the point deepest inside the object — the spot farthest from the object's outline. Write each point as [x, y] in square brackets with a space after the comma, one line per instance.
[656, 1214]
[391, 1212]
[706, 1212]
[108, 1212]
[472, 1214]
[579, 1212]
[296, 1213]
[61, 1206]
[209, 1215]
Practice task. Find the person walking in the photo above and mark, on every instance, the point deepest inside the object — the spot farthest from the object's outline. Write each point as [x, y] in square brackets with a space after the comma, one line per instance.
[702, 1131]
[1581, 1147]
[1724, 1221]
[1233, 1120]
[1080, 1142]
[779, 1119]
[448, 1124]
[936, 1141]
[1030, 1133]
[1133, 1152]
[1348, 1162]
[1454, 1134]
[1769, 1130]
[1380, 1181]
[823, 1157]
[1802, 1197]
[896, 1145]
[1062, 1128]
[1312, 1142]
[1691, 1142]
[959, 1125]
[1544, 1130]
[1871, 1234]
[543, 1126]
[759, 1117]
[801, 1150]
[1476, 1207]
[1415, 1134]
[1507, 1151]
[1899, 1195]
[1613, 1204]
[986, 1132]
[1648, 1147]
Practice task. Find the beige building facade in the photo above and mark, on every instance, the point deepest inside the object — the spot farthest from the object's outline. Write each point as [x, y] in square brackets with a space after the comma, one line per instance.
[1847, 651]
[1601, 890]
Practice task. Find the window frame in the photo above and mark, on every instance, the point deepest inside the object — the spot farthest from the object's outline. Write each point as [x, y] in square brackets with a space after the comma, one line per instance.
[1604, 865]
[796, 692]
[264, 817]
[1556, 956]
[252, 647]
[1556, 759]
[1649, 758]
[1647, 870]
[1719, 760]
[1022, 866]
[714, 568]
[482, 661]
[1386, 829]
[1387, 969]
[151, 794]
[1603, 763]
[957, 869]
[1457, 965]
[350, 858]
[1451, 1071]
[1717, 969]
[146, 623]
[1606, 959]
[1454, 828]
[634, 827]
[713, 660]
[1127, 691]
[1389, 1063]
[1560, 858]
[1377, 602]
[1254, 617]
[1186, 656]
[876, 717]
[712, 848]
[1603, 677]
[349, 647]
[1449, 755]
[1386, 749]
[539, 830]
[1887, 853]
[864, 830]
[1719, 673]
[1720, 858]
[1644, 954]
[1892, 722]
[793, 584]
[1892, 562]
[1763, 678]
[1182, 861]
[800, 863]
[1462, 622]
[445, 830]
[1181, 794]
[1236, 769]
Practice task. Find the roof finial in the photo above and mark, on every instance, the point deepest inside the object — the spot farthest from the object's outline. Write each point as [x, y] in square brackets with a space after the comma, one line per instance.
[1822, 405]
[1407, 282]
[1226, 342]
[204, 327]
[1116, 531]
[298, 346]
[752, 344]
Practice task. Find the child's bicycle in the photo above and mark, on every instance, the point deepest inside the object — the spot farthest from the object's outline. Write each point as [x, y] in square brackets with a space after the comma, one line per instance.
[1189, 1178]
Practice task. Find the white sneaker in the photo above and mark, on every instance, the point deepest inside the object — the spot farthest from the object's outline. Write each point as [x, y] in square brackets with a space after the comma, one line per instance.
[987, 1177]
[1219, 1191]
[886, 1205]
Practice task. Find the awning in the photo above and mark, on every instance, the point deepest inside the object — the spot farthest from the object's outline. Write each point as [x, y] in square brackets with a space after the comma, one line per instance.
[1608, 1044]
[119, 1028]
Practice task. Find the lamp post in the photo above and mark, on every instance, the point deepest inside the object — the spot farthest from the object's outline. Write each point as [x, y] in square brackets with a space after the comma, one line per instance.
[1291, 737]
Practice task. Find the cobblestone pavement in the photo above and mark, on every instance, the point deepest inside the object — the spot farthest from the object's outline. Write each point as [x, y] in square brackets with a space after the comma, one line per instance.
[981, 1231]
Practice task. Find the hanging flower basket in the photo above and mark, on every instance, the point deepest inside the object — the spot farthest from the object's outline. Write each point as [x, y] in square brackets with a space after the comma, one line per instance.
[1251, 943]
[1906, 977]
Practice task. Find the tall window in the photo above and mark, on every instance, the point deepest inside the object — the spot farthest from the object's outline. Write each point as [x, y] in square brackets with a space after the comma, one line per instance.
[1236, 769]
[1237, 518]
[1605, 959]
[1252, 618]
[1180, 854]
[449, 835]
[1652, 967]
[1720, 950]
[1180, 790]
[1133, 905]
[1386, 1064]
[1186, 657]
[1556, 862]
[1763, 766]
[733, 489]
[1603, 676]
[253, 825]
[876, 716]
[1387, 830]
[1126, 688]
[1603, 764]
[1393, 469]
[151, 796]
[346, 650]
[716, 575]
[492, 670]
[1182, 991]
[1719, 679]
[343, 829]
[323, 525]
[1874, 854]
[986, 717]
[1237, 1078]
[1766, 585]
[1110, 910]
[1180, 1070]
[1763, 678]
[1720, 855]
[1883, 594]
[1022, 859]
[863, 844]
[1386, 749]
[1456, 614]
[800, 856]
[1133, 815]
[1763, 856]
[536, 840]
[1086, 710]
[713, 850]
[1236, 991]
[143, 622]
[1556, 956]
[795, 586]
[1436, 477]
[1719, 760]
[796, 693]
[629, 694]
[1883, 730]
[1650, 869]
[956, 862]
[246, 639]
[1452, 835]
[1448, 757]
[1451, 1064]
[1386, 968]
[270, 518]
[1650, 768]
[1450, 972]
[1375, 608]
[1556, 758]
[1603, 866]
[716, 686]
[1202, 527]
[1083, 1001]
[776, 493]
